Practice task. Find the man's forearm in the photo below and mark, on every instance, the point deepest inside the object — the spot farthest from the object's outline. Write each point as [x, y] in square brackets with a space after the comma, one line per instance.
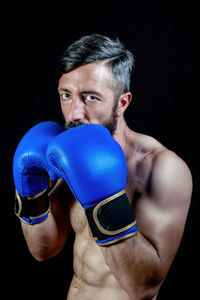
[136, 265]
[42, 238]
[46, 239]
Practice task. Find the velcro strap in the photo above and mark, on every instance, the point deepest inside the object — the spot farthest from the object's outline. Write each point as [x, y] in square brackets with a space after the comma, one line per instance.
[112, 219]
[32, 209]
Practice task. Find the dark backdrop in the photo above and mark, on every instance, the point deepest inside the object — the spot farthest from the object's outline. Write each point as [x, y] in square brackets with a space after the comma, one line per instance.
[165, 97]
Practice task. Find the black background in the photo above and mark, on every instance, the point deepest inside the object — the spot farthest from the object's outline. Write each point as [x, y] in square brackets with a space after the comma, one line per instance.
[163, 40]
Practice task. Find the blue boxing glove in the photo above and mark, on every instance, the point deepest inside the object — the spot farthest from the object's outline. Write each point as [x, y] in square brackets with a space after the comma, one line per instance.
[94, 166]
[32, 173]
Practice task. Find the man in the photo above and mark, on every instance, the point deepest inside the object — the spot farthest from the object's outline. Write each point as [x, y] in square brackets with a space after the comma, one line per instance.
[94, 88]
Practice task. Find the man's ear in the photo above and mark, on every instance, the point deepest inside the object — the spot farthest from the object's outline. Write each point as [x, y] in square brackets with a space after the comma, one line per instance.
[124, 101]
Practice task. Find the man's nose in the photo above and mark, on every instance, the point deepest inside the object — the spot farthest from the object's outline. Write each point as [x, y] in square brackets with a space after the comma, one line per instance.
[76, 110]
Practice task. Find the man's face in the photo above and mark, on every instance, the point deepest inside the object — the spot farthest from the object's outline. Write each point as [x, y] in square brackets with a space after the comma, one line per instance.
[86, 97]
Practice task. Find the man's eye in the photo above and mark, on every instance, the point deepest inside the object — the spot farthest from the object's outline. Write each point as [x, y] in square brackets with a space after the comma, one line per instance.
[65, 96]
[91, 98]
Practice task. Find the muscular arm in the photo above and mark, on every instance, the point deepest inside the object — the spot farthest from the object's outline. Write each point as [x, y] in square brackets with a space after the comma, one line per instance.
[141, 263]
[46, 239]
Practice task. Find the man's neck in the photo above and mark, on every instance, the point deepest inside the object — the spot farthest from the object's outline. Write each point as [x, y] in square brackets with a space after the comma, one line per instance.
[123, 135]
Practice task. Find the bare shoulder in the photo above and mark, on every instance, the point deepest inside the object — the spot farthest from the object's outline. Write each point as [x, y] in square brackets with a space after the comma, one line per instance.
[164, 172]
[170, 176]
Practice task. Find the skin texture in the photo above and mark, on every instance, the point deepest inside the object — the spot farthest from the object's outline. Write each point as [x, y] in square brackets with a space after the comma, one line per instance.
[159, 188]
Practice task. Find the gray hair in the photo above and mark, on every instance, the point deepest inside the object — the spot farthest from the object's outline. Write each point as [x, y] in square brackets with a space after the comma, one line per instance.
[99, 48]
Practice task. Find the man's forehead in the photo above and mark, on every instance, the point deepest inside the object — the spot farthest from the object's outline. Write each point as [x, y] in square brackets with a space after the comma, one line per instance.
[87, 75]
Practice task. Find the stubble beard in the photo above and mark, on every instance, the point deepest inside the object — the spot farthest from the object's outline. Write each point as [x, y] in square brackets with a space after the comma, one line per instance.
[110, 124]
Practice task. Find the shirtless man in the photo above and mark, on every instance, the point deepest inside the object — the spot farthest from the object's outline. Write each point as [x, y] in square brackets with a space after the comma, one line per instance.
[94, 89]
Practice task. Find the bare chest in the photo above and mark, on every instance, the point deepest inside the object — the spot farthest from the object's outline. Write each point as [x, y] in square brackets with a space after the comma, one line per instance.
[89, 262]
[90, 269]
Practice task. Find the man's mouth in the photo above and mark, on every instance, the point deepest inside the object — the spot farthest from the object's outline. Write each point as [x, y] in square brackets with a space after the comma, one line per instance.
[74, 124]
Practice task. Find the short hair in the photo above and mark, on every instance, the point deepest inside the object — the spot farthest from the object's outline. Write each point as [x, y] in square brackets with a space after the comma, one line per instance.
[99, 48]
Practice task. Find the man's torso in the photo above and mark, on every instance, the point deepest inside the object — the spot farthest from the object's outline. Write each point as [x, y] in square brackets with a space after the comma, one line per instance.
[91, 274]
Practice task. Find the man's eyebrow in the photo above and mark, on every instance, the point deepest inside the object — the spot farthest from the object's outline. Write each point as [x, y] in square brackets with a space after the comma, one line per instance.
[92, 93]
[63, 90]
[89, 92]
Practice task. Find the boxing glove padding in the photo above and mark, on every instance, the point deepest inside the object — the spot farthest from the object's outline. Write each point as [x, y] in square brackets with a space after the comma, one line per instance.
[32, 172]
[94, 166]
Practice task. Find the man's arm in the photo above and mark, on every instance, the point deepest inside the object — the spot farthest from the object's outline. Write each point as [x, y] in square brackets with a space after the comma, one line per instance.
[140, 264]
[47, 239]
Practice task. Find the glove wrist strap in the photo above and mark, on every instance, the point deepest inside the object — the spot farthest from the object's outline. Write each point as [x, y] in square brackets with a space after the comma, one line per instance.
[111, 220]
[34, 209]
